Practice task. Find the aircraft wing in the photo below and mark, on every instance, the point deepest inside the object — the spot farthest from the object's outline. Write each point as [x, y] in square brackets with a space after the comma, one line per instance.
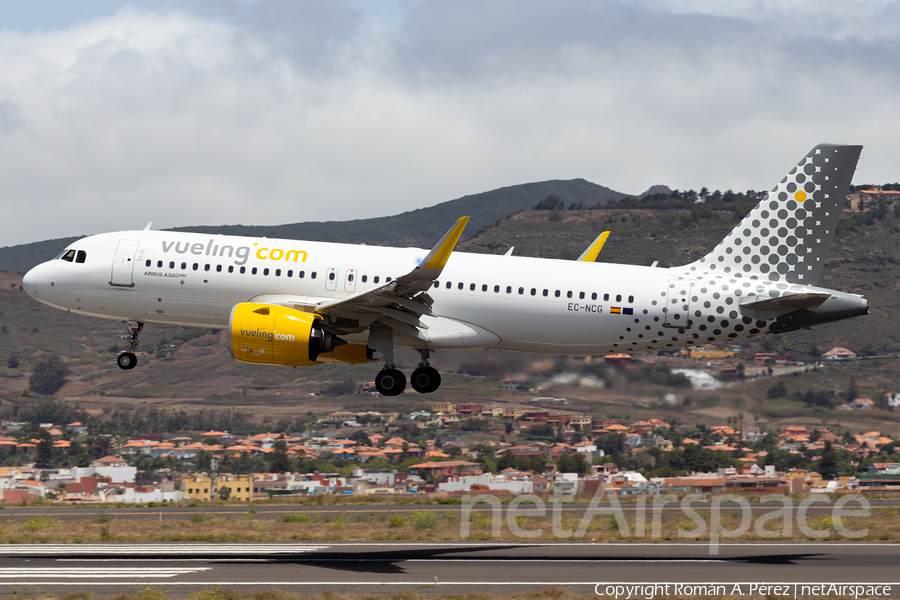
[399, 303]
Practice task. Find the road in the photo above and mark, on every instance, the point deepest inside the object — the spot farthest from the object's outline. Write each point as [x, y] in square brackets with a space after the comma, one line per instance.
[439, 567]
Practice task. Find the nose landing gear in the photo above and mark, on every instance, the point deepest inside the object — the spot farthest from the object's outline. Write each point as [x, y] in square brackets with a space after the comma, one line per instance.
[127, 360]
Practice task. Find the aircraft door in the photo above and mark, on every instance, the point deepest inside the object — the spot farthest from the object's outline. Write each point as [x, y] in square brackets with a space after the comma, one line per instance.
[678, 303]
[350, 280]
[123, 264]
[331, 279]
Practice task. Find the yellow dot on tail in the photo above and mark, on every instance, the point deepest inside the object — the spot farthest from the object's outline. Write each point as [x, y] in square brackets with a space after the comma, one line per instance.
[800, 196]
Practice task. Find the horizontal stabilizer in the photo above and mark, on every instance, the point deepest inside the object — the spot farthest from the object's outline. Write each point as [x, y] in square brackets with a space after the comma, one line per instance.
[775, 307]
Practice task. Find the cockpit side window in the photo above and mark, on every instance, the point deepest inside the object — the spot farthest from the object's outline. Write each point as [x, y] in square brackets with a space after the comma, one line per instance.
[81, 256]
[68, 255]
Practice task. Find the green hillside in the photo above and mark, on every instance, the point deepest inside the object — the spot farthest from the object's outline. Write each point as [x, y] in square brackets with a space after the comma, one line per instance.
[419, 228]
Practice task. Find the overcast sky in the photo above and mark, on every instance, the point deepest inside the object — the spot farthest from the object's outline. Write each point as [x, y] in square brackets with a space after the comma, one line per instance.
[202, 112]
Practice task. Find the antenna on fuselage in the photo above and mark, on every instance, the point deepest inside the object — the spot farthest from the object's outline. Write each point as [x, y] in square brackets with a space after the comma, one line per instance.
[147, 228]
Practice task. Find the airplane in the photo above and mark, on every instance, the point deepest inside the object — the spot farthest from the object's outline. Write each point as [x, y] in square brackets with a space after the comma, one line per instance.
[302, 303]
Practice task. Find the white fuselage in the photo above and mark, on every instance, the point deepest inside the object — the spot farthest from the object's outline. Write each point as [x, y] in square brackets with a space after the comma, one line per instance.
[512, 303]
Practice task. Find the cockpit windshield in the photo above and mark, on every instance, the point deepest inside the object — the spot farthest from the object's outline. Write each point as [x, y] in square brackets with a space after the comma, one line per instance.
[71, 255]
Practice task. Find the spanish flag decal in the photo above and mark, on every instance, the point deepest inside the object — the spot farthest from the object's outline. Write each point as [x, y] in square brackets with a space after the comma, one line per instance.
[615, 310]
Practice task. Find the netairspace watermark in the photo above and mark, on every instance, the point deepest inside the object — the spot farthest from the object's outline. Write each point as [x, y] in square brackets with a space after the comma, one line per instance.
[647, 516]
[649, 591]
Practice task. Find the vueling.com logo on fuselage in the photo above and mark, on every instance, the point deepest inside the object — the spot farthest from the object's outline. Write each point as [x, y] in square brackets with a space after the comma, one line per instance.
[267, 335]
[239, 253]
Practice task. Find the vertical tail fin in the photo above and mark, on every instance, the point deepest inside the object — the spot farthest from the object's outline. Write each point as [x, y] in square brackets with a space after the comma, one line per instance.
[786, 237]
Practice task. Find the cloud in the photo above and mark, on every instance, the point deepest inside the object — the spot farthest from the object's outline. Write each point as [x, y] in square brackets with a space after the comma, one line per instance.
[274, 111]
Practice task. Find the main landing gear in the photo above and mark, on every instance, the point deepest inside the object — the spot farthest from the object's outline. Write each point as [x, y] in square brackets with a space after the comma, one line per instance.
[425, 379]
[127, 360]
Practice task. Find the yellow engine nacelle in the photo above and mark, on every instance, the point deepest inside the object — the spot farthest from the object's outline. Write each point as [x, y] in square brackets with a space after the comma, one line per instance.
[278, 335]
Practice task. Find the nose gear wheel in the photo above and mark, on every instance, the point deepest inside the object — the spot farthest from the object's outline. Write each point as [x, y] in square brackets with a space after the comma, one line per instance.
[127, 360]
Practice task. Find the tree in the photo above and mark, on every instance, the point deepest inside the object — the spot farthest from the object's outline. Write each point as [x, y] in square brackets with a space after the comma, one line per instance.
[204, 461]
[360, 437]
[43, 453]
[49, 375]
[224, 493]
[828, 463]
[278, 459]
[12, 362]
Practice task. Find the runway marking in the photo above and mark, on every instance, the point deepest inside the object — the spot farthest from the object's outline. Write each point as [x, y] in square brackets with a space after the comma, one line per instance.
[89, 573]
[51, 549]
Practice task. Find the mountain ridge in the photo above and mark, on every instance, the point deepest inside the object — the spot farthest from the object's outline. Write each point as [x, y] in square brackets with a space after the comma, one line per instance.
[421, 227]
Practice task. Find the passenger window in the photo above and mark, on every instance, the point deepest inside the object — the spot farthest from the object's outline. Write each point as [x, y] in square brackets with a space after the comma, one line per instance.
[243, 270]
[196, 266]
[206, 267]
[312, 275]
[148, 263]
[350, 277]
[483, 287]
[556, 293]
[69, 256]
[496, 289]
[230, 269]
[218, 268]
[618, 297]
[387, 279]
[546, 292]
[290, 273]
[630, 299]
[278, 273]
[365, 278]
[253, 271]
[521, 291]
[159, 264]
[594, 296]
[183, 266]
[605, 297]
[533, 292]
[509, 289]
[472, 287]
[569, 294]
[460, 285]
[301, 274]
[331, 276]
[436, 284]
[448, 285]
[375, 279]
[171, 264]
[266, 271]
[581, 295]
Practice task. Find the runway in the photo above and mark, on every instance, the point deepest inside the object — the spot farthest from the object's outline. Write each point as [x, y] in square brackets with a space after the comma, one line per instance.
[438, 567]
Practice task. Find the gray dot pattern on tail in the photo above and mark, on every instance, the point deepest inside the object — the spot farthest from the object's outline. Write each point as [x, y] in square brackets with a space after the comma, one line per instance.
[780, 239]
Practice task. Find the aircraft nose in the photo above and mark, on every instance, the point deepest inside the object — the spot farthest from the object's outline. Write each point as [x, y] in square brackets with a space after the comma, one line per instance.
[30, 281]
